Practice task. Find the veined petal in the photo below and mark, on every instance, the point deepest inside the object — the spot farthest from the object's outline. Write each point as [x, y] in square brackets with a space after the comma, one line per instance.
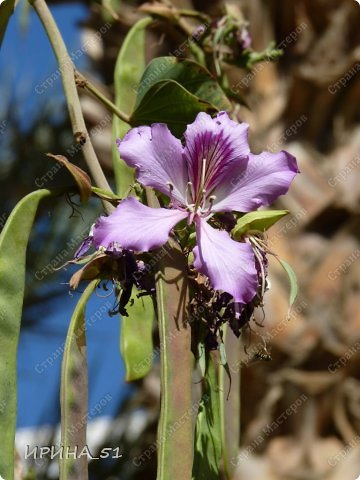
[136, 227]
[265, 178]
[220, 141]
[157, 156]
[229, 265]
[84, 247]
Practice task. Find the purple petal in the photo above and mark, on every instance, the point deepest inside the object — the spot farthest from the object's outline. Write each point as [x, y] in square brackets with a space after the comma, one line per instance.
[265, 178]
[136, 227]
[115, 250]
[220, 141]
[157, 156]
[84, 247]
[229, 265]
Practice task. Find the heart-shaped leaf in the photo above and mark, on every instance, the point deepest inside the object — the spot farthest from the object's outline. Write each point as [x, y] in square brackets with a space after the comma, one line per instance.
[168, 102]
[189, 74]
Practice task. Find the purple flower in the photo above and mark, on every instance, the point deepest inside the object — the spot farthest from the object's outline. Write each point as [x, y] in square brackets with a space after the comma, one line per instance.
[213, 172]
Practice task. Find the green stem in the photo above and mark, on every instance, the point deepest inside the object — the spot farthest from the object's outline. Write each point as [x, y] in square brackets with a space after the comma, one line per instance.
[106, 5]
[175, 430]
[72, 98]
[83, 82]
[230, 404]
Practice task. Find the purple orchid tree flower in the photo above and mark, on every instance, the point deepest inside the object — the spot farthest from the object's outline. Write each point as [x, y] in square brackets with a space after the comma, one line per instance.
[213, 172]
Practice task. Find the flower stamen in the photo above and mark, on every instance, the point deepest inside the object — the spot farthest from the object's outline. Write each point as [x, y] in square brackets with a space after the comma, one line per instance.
[257, 252]
[203, 172]
[189, 193]
[201, 191]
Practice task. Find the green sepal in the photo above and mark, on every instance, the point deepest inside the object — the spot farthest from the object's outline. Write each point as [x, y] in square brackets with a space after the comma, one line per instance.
[258, 221]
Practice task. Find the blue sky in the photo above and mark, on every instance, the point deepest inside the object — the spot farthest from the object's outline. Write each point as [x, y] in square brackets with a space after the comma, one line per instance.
[26, 57]
[26, 60]
[39, 359]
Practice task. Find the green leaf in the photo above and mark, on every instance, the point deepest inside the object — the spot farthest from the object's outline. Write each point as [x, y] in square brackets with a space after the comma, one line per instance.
[129, 67]
[189, 74]
[260, 220]
[136, 338]
[293, 283]
[6, 10]
[74, 392]
[167, 101]
[208, 429]
[13, 243]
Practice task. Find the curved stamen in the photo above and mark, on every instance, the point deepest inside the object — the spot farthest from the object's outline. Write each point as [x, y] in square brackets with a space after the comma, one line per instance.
[260, 260]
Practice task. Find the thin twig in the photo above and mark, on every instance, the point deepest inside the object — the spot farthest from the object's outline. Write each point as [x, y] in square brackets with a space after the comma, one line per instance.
[194, 14]
[106, 5]
[83, 82]
[67, 69]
